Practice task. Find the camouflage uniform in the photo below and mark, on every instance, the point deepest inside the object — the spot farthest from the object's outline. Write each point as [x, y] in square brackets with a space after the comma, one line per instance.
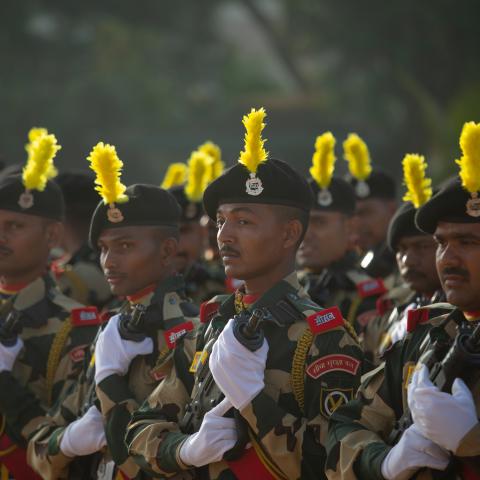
[347, 286]
[56, 331]
[359, 431]
[288, 419]
[118, 395]
[82, 279]
[202, 283]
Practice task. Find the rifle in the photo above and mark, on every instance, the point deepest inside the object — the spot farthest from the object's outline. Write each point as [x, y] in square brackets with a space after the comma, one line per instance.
[134, 326]
[11, 327]
[207, 395]
[445, 361]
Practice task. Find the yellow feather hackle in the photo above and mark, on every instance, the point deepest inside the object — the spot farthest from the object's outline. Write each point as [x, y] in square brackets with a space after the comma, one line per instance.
[419, 187]
[470, 160]
[355, 152]
[36, 132]
[323, 162]
[216, 164]
[39, 168]
[107, 166]
[254, 152]
[198, 175]
[176, 175]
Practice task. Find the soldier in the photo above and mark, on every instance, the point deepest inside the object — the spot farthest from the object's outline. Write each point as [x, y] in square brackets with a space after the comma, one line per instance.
[137, 241]
[445, 425]
[286, 386]
[375, 191]
[415, 255]
[77, 270]
[43, 334]
[332, 276]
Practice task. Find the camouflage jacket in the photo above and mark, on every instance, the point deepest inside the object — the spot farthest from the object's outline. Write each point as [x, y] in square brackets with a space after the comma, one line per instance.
[202, 282]
[82, 279]
[167, 312]
[347, 286]
[359, 431]
[313, 365]
[56, 332]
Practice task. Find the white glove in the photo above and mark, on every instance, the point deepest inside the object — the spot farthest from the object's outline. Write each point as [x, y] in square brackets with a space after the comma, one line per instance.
[443, 418]
[113, 354]
[216, 436]
[411, 453]
[238, 372]
[85, 435]
[8, 355]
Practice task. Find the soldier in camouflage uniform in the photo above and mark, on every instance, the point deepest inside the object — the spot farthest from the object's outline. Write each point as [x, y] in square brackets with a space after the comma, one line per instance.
[284, 389]
[133, 353]
[77, 269]
[332, 276]
[44, 334]
[444, 435]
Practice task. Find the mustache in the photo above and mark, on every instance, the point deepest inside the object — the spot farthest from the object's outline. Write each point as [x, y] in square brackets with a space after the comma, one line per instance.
[5, 250]
[225, 250]
[461, 272]
[411, 272]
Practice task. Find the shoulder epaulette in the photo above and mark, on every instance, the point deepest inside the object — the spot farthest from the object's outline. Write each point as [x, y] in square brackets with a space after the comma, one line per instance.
[383, 305]
[85, 316]
[210, 308]
[422, 315]
[325, 320]
[371, 287]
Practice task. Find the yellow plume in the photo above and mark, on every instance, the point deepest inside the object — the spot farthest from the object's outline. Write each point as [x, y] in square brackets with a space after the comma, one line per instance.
[35, 133]
[355, 152]
[107, 166]
[40, 167]
[197, 179]
[470, 160]
[216, 164]
[254, 152]
[175, 176]
[323, 162]
[419, 187]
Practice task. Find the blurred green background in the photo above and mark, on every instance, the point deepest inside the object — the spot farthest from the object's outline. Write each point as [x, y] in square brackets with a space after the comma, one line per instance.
[157, 78]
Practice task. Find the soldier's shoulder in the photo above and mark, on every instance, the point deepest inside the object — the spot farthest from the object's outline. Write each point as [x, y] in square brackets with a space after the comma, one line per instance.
[211, 307]
[366, 285]
[431, 315]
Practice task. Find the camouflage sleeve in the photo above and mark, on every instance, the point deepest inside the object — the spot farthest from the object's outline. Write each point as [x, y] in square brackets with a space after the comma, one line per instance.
[331, 374]
[43, 452]
[470, 443]
[153, 434]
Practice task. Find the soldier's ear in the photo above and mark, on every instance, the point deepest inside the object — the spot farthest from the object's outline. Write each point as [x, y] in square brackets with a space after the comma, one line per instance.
[293, 233]
[54, 232]
[169, 248]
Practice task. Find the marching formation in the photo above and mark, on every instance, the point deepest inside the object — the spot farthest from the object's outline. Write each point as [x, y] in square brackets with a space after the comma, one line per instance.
[248, 322]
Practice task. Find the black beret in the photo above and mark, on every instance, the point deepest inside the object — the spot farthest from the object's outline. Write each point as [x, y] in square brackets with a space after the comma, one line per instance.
[449, 204]
[148, 205]
[402, 225]
[48, 203]
[380, 185]
[338, 197]
[191, 211]
[280, 185]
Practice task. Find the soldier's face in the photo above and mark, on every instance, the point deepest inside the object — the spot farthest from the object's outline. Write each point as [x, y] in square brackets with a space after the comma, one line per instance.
[190, 247]
[416, 262]
[373, 217]
[326, 241]
[132, 258]
[254, 240]
[458, 263]
[25, 244]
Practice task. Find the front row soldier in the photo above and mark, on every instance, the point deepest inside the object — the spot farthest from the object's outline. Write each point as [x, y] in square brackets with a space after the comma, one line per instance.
[137, 241]
[43, 334]
[283, 386]
[331, 273]
[441, 429]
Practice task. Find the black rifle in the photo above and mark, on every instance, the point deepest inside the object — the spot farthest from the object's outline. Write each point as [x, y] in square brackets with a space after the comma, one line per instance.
[134, 326]
[206, 393]
[11, 327]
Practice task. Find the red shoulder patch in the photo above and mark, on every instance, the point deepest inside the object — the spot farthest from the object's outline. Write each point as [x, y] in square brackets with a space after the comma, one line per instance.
[383, 305]
[416, 317]
[174, 333]
[208, 310]
[332, 363]
[325, 320]
[78, 353]
[85, 316]
[371, 287]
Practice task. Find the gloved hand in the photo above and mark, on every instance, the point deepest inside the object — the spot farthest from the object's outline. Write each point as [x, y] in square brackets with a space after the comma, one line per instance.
[411, 453]
[8, 355]
[113, 354]
[216, 436]
[85, 435]
[443, 418]
[238, 372]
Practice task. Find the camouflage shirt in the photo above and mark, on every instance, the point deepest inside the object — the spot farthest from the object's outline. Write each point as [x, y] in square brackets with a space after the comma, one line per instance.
[202, 282]
[313, 366]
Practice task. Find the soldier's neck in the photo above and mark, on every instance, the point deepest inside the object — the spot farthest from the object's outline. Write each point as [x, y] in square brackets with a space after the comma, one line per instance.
[9, 281]
[259, 285]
